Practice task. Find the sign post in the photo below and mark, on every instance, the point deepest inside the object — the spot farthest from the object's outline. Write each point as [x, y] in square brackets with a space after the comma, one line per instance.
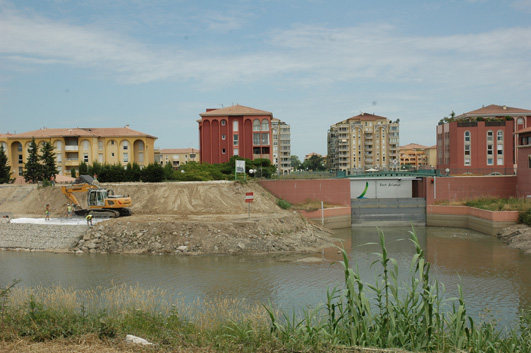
[240, 168]
[249, 197]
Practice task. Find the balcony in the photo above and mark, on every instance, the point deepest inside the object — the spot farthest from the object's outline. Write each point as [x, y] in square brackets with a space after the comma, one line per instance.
[69, 162]
[71, 148]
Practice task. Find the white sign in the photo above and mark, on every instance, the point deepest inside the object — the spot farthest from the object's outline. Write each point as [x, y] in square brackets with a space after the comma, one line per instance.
[240, 166]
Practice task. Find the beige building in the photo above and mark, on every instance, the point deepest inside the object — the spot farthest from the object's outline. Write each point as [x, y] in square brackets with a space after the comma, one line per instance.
[414, 155]
[363, 142]
[281, 134]
[177, 156]
[76, 145]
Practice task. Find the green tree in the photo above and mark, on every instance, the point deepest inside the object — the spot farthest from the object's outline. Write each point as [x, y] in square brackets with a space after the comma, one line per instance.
[153, 173]
[5, 169]
[169, 173]
[73, 173]
[295, 162]
[47, 158]
[33, 170]
[83, 168]
[315, 163]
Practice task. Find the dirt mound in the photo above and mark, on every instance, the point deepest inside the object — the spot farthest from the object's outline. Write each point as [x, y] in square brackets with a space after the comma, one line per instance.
[185, 198]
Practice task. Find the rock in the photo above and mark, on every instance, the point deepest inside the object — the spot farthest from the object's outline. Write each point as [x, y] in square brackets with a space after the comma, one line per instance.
[241, 245]
[182, 248]
[137, 340]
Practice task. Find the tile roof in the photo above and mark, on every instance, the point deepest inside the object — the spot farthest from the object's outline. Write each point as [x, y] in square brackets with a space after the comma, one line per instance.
[528, 129]
[414, 146]
[82, 132]
[179, 150]
[236, 110]
[495, 110]
[366, 117]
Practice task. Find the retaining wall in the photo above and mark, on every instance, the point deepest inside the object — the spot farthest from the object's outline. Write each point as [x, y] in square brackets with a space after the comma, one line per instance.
[388, 212]
[39, 236]
[487, 222]
[332, 191]
[334, 218]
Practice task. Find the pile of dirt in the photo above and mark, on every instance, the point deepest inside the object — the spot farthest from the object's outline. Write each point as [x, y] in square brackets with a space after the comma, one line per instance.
[517, 236]
[181, 218]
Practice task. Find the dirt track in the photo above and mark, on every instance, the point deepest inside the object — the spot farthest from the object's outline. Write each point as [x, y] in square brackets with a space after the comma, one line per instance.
[181, 218]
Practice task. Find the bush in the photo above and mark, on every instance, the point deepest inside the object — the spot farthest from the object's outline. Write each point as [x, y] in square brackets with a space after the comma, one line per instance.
[525, 217]
[284, 204]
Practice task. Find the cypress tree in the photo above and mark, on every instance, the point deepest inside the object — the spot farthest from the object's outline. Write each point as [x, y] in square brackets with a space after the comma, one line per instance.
[48, 161]
[32, 168]
[5, 169]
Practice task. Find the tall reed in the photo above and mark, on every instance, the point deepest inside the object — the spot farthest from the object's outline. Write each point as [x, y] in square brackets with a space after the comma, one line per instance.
[413, 315]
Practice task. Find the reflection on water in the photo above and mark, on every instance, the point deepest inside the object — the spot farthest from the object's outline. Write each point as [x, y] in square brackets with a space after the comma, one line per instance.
[491, 274]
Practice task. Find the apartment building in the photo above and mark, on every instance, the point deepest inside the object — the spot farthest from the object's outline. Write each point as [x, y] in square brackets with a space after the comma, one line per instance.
[362, 142]
[414, 155]
[176, 156]
[481, 141]
[242, 131]
[281, 146]
[76, 145]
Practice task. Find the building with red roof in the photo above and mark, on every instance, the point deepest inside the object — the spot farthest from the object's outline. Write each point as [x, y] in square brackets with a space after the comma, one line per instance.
[481, 141]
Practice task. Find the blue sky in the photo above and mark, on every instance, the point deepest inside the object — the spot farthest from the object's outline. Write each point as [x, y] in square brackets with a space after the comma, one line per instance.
[156, 65]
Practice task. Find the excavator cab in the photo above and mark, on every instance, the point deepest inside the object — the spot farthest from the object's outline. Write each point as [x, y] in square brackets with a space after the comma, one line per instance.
[96, 197]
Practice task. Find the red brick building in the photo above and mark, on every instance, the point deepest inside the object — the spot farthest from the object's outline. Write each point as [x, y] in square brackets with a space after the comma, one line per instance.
[523, 177]
[481, 141]
[235, 131]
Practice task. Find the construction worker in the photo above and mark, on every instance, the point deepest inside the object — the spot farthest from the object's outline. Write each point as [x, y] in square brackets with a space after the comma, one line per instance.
[47, 212]
[68, 211]
[89, 220]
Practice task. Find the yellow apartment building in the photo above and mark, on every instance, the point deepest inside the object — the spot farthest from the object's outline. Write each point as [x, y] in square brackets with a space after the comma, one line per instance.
[73, 146]
[414, 155]
[177, 156]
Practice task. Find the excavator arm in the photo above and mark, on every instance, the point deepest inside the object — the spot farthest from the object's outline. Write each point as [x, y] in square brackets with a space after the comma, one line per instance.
[69, 190]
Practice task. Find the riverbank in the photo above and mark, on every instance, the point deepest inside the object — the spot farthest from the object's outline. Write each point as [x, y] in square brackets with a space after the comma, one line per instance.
[517, 236]
[168, 218]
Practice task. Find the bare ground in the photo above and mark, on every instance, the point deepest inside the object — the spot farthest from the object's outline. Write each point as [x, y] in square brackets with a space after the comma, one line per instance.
[181, 218]
[517, 236]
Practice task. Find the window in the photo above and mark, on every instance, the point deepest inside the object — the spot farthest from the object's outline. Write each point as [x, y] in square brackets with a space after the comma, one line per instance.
[59, 157]
[126, 157]
[19, 147]
[223, 151]
[125, 145]
[265, 125]
[85, 157]
[236, 152]
[20, 159]
[85, 145]
[59, 145]
[100, 158]
[223, 122]
[112, 142]
[467, 161]
[467, 136]
[223, 137]
[490, 135]
[100, 145]
[256, 139]
[256, 125]
[500, 135]
[112, 154]
[467, 150]
[265, 139]
[235, 125]
[235, 140]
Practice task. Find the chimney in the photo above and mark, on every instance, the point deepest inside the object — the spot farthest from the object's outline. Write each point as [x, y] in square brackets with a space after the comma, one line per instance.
[504, 107]
[127, 126]
[210, 109]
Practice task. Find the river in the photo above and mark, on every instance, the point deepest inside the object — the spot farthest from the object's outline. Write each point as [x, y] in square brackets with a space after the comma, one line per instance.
[492, 275]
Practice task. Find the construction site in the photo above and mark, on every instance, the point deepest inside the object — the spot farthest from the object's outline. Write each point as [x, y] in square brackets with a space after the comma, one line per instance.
[167, 218]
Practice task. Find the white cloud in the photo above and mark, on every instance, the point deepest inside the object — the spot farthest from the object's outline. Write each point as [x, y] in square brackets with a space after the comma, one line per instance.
[311, 55]
[523, 5]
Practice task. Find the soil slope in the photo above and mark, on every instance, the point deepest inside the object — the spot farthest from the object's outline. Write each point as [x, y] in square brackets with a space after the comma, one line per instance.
[180, 218]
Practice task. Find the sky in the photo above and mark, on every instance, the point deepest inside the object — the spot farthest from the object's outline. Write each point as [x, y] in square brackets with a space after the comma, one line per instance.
[156, 65]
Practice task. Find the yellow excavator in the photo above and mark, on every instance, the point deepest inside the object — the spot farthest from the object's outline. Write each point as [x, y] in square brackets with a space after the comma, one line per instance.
[101, 202]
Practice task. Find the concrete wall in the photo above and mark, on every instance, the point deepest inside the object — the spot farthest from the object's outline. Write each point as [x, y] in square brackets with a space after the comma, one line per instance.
[466, 188]
[388, 212]
[332, 191]
[334, 218]
[487, 222]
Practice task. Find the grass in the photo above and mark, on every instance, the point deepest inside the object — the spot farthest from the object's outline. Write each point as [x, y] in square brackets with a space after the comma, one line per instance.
[413, 314]
[493, 204]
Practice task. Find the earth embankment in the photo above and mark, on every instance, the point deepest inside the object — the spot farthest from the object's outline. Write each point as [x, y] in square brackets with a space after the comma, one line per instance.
[178, 218]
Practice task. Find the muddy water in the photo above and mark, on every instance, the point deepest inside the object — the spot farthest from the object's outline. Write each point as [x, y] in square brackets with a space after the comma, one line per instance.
[492, 275]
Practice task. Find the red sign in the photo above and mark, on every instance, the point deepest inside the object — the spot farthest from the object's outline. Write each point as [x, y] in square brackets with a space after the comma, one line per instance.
[249, 197]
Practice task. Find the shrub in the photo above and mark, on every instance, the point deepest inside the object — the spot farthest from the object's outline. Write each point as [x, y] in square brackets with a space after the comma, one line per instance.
[525, 217]
[284, 204]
